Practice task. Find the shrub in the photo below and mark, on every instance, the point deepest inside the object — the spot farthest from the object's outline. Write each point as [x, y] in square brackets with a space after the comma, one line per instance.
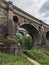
[25, 41]
[28, 42]
[41, 56]
[19, 38]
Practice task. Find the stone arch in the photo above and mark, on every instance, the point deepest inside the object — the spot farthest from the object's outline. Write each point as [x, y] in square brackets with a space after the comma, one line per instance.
[47, 35]
[33, 32]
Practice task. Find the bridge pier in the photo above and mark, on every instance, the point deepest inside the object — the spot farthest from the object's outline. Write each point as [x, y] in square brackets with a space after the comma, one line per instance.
[42, 43]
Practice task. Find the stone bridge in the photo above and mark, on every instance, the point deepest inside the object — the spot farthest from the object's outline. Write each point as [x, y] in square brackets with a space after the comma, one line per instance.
[11, 17]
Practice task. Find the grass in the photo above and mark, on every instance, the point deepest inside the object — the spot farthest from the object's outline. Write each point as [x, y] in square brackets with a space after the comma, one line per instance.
[1, 43]
[7, 59]
[41, 56]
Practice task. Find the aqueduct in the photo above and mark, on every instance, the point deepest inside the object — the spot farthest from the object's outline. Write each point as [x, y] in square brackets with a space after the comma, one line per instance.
[11, 17]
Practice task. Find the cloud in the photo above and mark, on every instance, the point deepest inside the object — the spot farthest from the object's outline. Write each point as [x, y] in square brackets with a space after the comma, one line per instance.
[37, 8]
[45, 7]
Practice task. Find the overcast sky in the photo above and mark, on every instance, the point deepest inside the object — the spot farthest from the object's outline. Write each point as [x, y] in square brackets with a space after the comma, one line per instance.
[37, 8]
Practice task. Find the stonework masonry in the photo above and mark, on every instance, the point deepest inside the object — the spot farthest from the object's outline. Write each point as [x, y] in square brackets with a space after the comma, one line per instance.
[12, 17]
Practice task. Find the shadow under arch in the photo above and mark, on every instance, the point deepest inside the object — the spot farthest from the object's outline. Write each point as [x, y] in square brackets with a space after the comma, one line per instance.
[47, 35]
[33, 32]
[15, 18]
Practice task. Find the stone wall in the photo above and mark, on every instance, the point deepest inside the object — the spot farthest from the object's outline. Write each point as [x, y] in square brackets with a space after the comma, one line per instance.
[11, 17]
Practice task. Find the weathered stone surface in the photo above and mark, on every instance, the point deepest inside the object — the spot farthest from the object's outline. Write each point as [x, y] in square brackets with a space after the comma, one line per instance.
[11, 17]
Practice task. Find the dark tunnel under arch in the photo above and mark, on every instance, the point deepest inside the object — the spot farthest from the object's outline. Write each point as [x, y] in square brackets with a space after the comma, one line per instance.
[15, 18]
[33, 32]
[47, 35]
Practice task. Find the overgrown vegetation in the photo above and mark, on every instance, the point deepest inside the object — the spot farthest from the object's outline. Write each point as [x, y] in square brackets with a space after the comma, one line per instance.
[20, 59]
[6, 59]
[25, 41]
[41, 56]
[47, 44]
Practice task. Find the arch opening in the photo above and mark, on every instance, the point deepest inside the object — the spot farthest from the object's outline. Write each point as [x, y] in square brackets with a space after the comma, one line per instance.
[21, 33]
[47, 35]
[15, 18]
[33, 32]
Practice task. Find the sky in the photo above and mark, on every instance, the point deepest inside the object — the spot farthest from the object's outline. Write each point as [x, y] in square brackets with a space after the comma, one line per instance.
[37, 8]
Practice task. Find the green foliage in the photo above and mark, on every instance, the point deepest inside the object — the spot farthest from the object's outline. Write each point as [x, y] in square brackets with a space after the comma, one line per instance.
[19, 38]
[28, 42]
[6, 59]
[25, 41]
[1, 43]
[42, 56]
[47, 44]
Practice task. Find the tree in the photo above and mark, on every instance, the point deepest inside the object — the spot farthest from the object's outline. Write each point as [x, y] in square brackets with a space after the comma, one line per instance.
[19, 38]
[28, 43]
[25, 41]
